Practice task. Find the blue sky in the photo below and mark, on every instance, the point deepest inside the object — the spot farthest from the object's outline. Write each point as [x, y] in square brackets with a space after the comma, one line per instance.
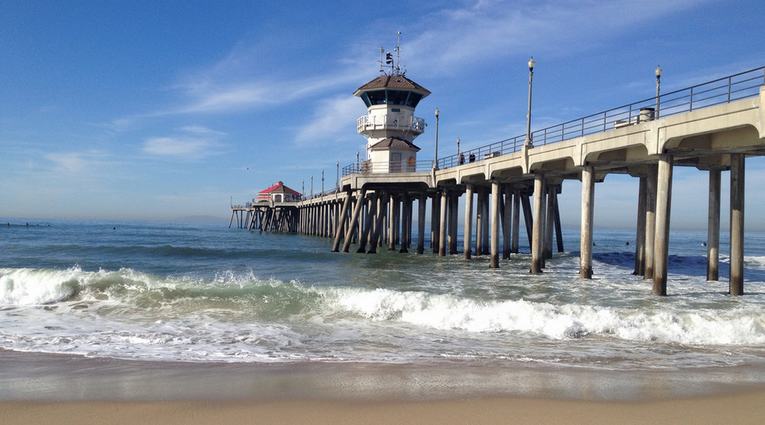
[158, 110]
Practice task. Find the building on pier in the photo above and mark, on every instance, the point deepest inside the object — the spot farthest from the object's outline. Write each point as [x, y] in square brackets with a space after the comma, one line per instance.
[278, 192]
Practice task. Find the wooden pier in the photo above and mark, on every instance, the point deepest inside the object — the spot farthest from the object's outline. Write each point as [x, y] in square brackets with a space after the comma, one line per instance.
[712, 127]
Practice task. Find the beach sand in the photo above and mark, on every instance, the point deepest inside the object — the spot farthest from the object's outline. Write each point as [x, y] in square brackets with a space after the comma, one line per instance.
[746, 408]
[63, 389]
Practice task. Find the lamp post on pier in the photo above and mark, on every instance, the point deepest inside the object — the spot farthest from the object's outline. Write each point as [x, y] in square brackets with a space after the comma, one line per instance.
[435, 155]
[311, 186]
[337, 176]
[322, 181]
[529, 143]
[658, 72]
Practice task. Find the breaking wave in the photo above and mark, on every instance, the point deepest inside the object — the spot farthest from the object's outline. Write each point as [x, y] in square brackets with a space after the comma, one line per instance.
[285, 303]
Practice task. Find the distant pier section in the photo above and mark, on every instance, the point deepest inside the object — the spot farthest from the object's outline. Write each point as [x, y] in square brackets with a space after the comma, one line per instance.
[713, 127]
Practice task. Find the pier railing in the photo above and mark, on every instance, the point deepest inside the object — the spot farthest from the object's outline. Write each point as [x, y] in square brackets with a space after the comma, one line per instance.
[393, 167]
[715, 92]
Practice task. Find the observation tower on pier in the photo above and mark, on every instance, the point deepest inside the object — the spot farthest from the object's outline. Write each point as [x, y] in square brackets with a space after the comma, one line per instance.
[390, 125]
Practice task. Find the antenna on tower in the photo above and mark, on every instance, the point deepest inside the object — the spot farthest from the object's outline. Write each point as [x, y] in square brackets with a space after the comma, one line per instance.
[397, 68]
[382, 58]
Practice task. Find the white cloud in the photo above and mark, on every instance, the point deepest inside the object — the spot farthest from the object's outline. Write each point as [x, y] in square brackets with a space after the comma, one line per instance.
[488, 30]
[75, 162]
[331, 118]
[192, 142]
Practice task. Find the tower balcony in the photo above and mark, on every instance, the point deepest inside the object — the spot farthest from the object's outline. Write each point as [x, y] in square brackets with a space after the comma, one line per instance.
[389, 122]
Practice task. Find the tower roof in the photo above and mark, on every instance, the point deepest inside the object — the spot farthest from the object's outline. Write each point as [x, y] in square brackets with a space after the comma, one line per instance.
[395, 81]
[278, 187]
[394, 143]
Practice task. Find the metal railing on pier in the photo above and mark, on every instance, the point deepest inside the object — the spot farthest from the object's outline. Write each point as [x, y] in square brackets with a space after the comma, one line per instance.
[715, 92]
[393, 167]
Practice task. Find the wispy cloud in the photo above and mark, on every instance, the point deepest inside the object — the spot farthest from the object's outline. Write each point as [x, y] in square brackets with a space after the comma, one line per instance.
[74, 162]
[331, 118]
[191, 142]
[491, 30]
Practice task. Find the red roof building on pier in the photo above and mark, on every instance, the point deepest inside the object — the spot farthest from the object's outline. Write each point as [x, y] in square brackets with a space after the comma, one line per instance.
[278, 192]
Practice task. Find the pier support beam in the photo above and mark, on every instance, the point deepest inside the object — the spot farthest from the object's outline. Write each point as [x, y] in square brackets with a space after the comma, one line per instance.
[367, 228]
[713, 226]
[354, 220]
[442, 225]
[506, 210]
[340, 221]
[453, 214]
[435, 221]
[392, 223]
[556, 219]
[640, 229]
[650, 221]
[528, 218]
[549, 221]
[516, 222]
[585, 244]
[663, 208]
[480, 221]
[485, 226]
[538, 224]
[421, 223]
[467, 231]
[737, 171]
[406, 218]
[495, 198]
[379, 223]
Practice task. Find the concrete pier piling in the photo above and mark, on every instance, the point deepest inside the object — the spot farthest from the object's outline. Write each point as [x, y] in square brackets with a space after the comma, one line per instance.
[495, 199]
[340, 223]
[713, 225]
[468, 227]
[661, 238]
[585, 238]
[650, 221]
[442, 225]
[549, 221]
[537, 225]
[506, 210]
[435, 221]
[406, 218]
[640, 229]
[354, 220]
[737, 172]
[421, 223]
[480, 221]
[516, 222]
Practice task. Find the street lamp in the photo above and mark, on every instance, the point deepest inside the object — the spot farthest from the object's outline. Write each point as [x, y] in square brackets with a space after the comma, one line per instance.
[529, 143]
[322, 181]
[658, 72]
[311, 186]
[435, 156]
[337, 177]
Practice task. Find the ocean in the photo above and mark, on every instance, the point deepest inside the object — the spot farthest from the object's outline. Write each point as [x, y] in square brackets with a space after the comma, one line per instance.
[217, 295]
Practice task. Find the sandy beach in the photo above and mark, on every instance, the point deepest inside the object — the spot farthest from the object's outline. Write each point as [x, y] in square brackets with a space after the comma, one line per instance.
[745, 408]
[41, 388]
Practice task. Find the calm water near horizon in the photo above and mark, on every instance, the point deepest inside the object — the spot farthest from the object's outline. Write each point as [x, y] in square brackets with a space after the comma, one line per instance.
[211, 294]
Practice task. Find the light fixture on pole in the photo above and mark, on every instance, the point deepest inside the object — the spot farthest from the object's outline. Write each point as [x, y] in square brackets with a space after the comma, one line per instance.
[458, 146]
[337, 176]
[529, 143]
[311, 186]
[658, 72]
[435, 155]
[303, 188]
[322, 181]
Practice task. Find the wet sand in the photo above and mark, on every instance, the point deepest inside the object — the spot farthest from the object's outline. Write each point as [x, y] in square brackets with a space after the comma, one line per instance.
[61, 389]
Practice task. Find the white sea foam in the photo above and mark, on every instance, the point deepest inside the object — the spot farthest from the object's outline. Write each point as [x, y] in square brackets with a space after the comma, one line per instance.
[34, 286]
[237, 317]
[742, 326]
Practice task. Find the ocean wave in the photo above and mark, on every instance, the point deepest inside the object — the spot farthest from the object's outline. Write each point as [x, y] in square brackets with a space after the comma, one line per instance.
[278, 300]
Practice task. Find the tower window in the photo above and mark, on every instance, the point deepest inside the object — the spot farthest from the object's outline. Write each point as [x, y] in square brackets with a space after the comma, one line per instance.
[376, 97]
[397, 97]
[413, 100]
